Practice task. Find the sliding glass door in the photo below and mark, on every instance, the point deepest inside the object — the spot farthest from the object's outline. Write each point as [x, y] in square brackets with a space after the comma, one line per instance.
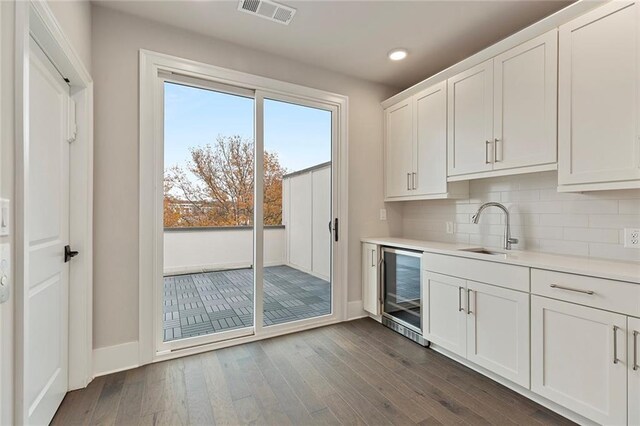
[248, 212]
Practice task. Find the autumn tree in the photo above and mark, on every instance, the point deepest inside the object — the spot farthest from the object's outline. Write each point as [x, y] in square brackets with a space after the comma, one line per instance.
[215, 188]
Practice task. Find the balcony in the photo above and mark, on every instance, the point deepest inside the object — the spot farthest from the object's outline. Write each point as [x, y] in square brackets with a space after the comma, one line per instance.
[208, 283]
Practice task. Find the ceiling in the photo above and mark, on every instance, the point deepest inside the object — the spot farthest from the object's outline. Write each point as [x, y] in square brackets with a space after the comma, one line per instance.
[354, 37]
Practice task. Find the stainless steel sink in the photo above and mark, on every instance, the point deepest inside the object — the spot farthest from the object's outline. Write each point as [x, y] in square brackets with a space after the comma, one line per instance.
[482, 250]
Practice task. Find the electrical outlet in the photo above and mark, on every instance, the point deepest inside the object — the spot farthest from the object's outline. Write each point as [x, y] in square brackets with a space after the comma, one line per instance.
[632, 237]
[450, 228]
[383, 214]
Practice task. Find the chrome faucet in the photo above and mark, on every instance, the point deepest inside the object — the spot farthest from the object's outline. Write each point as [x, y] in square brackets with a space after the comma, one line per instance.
[507, 236]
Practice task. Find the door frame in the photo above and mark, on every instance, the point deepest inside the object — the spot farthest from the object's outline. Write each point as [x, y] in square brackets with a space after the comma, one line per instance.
[151, 169]
[35, 19]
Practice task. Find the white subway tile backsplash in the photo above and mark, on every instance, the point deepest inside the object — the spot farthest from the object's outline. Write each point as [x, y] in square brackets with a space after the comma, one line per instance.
[583, 224]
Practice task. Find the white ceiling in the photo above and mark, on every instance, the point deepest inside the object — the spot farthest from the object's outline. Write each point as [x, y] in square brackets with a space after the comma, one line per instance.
[353, 37]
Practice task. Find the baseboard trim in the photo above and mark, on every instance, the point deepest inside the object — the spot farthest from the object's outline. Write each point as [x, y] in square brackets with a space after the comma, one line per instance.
[355, 310]
[112, 359]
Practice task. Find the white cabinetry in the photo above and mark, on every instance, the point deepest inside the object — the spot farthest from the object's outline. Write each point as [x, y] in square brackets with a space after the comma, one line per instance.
[634, 371]
[445, 321]
[498, 331]
[399, 170]
[578, 359]
[599, 99]
[502, 112]
[416, 148]
[370, 279]
[486, 324]
[471, 120]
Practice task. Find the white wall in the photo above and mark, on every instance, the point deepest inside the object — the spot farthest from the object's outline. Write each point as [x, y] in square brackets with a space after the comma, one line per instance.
[306, 212]
[218, 248]
[583, 224]
[116, 41]
[74, 17]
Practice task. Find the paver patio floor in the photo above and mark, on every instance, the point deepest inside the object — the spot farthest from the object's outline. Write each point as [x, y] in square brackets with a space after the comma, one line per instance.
[209, 302]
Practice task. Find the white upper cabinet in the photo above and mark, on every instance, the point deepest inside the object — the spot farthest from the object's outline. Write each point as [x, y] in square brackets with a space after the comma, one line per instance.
[525, 104]
[416, 148]
[431, 140]
[599, 99]
[502, 113]
[399, 149]
[470, 135]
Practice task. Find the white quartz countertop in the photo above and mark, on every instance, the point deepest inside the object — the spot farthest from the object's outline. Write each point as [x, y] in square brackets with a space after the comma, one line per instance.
[622, 271]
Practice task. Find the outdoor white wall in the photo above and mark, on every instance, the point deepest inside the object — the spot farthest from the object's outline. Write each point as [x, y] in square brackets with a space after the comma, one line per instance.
[306, 212]
[116, 41]
[218, 248]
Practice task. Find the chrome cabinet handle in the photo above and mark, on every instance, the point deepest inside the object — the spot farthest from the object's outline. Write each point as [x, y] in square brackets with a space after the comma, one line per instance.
[495, 150]
[577, 290]
[469, 302]
[408, 181]
[486, 152]
[635, 350]
[460, 308]
[373, 258]
[615, 344]
[413, 180]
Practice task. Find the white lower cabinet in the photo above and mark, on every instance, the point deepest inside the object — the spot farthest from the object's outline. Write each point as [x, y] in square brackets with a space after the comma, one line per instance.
[486, 324]
[578, 359]
[445, 322]
[498, 331]
[370, 280]
[634, 371]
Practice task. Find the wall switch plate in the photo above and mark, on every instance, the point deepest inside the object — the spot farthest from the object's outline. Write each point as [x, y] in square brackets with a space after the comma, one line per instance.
[632, 237]
[383, 214]
[450, 228]
[4, 217]
[5, 264]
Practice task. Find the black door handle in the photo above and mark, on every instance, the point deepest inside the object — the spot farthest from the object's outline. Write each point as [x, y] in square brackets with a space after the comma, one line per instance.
[68, 253]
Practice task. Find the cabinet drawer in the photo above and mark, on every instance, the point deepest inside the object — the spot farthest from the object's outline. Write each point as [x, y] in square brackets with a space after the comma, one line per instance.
[616, 296]
[509, 276]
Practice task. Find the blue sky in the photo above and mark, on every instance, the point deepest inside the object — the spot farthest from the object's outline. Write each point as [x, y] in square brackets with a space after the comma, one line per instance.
[300, 136]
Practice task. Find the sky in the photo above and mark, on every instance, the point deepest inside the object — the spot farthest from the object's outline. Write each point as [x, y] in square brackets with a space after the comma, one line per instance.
[301, 136]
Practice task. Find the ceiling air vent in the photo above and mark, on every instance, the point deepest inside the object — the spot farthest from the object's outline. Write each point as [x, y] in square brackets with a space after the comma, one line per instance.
[267, 9]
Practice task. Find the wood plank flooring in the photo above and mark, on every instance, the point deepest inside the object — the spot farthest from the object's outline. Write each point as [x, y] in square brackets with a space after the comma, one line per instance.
[352, 373]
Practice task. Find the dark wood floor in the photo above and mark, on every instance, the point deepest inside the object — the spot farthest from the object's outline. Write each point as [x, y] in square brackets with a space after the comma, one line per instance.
[351, 373]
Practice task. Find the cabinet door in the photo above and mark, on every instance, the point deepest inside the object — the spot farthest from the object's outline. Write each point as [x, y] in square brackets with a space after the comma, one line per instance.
[370, 283]
[399, 149]
[470, 120]
[599, 96]
[525, 96]
[634, 371]
[578, 359]
[498, 331]
[431, 140]
[444, 319]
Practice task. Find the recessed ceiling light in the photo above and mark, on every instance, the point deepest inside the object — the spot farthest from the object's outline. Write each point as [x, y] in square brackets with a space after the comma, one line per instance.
[398, 54]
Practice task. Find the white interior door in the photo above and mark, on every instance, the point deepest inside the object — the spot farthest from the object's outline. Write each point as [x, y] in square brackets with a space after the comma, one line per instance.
[45, 298]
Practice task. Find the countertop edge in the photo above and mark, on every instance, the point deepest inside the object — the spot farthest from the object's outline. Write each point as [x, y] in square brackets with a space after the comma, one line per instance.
[620, 271]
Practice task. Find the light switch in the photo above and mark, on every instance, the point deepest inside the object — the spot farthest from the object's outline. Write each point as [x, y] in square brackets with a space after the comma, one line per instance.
[4, 217]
